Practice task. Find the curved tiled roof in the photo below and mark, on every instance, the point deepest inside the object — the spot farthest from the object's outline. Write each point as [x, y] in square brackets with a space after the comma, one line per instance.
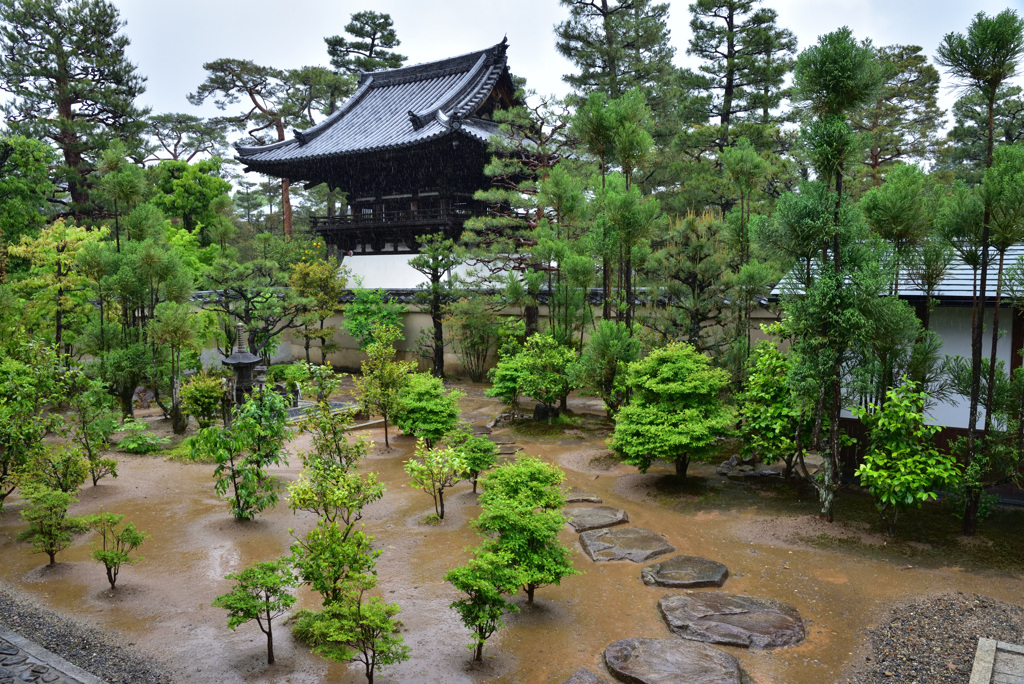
[398, 108]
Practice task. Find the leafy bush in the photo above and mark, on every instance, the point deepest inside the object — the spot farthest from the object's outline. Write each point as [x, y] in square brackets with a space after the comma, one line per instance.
[290, 374]
[426, 409]
[202, 396]
[138, 439]
[473, 328]
[902, 465]
[539, 370]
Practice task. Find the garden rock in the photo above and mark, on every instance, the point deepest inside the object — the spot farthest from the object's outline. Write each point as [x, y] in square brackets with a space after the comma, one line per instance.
[624, 543]
[584, 676]
[720, 618]
[583, 518]
[577, 495]
[670, 661]
[685, 572]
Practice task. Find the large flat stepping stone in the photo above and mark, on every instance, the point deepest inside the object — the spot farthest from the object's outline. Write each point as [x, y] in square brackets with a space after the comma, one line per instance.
[719, 618]
[624, 543]
[685, 571]
[585, 676]
[583, 518]
[577, 495]
[670, 661]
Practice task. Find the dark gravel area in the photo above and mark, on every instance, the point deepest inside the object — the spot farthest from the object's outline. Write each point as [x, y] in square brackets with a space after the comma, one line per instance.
[932, 641]
[96, 652]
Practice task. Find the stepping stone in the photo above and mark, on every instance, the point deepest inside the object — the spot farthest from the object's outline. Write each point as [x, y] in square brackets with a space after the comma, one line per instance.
[671, 661]
[685, 571]
[584, 676]
[720, 618]
[583, 518]
[481, 430]
[577, 495]
[624, 543]
[508, 450]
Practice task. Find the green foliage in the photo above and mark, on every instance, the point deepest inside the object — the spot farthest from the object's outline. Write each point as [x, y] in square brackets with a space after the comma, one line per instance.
[25, 186]
[118, 545]
[62, 467]
[676, 412]
[91, 421]
[244, 451]
[357, 628]
[472, 326]
[321, 283]
[138, 439]
[202, 396]
[383, 380]
[370, 46]
[434, 470]
[260, 593]
[50, 528]
[426, 410]
[486, 580]
[28, 386]
[902, 466]
[330, 559]
[369, 310]
[71, 83]
[771, 416]
[837, 74]
[540, 370]
[522, 510]
[479, 453]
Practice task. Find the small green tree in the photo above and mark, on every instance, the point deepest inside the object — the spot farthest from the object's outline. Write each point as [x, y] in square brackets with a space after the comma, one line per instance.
[522, 509]
[902, 467]
[676, 412]
[260, 594]
[479, 453]
[357, 629]
[62, 467]
[384, 379]
[329, 556]
[244, 451]
[90, 421]
[487, 579]
[773, 425]
[539, 370]
[434, 470]
[50, 528]
[426, 409]
[118, 545]
[332, 493]
[472, 326]
[603, 362]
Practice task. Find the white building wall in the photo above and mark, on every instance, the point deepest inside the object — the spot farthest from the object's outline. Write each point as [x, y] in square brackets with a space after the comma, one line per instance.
[953, 325]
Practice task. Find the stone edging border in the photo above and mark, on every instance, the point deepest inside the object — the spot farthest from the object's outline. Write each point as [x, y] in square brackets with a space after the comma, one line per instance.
[72, 673]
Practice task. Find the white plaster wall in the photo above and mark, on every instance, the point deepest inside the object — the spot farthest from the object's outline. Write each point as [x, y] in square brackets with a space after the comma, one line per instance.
[953, 325]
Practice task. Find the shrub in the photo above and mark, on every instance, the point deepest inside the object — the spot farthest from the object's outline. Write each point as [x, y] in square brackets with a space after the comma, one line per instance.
[138, 439]
[202, 397]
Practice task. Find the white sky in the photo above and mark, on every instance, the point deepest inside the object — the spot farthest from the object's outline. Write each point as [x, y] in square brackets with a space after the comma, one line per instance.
[172, 40]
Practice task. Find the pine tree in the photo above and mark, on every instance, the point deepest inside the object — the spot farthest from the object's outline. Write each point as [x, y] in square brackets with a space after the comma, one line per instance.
[64, 63]
[745, 55]
[903, 122]
[371, 47]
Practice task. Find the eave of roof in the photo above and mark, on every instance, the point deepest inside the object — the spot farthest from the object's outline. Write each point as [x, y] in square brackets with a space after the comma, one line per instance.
[396, 109]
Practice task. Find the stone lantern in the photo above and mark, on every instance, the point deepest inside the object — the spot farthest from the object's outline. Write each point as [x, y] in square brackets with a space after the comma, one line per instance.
[243, 363]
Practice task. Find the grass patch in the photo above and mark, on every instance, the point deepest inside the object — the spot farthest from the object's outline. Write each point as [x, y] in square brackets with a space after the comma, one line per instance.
[182, 452]
[432, 519]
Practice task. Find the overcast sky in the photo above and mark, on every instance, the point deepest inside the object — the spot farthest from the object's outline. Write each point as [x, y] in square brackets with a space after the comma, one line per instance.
[170, 45]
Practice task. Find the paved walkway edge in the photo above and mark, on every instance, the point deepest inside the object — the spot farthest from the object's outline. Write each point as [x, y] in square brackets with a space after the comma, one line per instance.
[70, 672]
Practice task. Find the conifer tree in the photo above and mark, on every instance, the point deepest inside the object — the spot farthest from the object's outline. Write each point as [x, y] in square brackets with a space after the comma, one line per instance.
[64, 64]
[371, 47]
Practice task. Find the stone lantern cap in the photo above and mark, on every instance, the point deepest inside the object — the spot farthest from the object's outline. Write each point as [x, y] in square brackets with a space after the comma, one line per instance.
[241, 356]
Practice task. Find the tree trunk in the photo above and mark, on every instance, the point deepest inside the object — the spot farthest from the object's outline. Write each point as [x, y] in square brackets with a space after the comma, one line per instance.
[995, 344]
[479, 652]
[286, 207]
[440, 500]
[682, 463]
[386, 444]
[53, 557]
[111, 577]
[532, 315]
[435, 318]
[530, 589]
[270, 645]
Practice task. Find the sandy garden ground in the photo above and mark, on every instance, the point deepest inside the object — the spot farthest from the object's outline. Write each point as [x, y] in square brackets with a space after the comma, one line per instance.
[162, 606]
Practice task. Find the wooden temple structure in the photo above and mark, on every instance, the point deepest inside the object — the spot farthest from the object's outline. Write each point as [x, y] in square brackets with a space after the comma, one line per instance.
[408, 149]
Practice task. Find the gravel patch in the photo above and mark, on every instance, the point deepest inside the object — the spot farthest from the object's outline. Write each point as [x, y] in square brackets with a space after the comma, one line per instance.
[932, 641]
[92, 650]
